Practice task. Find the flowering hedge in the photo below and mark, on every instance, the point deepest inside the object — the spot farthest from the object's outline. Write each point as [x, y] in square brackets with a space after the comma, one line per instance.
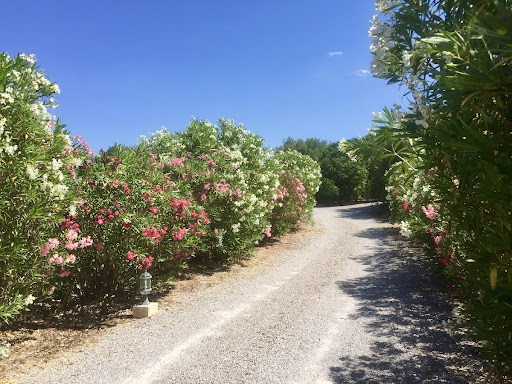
[451, 185]
[76, 226]
[238, 182]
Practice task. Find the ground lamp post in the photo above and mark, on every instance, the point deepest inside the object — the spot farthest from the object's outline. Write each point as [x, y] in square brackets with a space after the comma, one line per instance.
[145, 309]
[145, 286]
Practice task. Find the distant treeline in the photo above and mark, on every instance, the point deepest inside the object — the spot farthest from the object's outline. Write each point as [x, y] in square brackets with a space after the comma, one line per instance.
[344, 179]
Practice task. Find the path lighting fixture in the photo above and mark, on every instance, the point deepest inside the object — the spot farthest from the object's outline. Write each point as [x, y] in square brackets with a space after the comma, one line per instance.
[146, 309]
[145, 286]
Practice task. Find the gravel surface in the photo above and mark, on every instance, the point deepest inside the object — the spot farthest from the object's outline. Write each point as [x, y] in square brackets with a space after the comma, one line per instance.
[346, 303]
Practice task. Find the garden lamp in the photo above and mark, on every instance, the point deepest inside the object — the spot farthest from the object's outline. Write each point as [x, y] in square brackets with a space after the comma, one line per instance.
[145, 286]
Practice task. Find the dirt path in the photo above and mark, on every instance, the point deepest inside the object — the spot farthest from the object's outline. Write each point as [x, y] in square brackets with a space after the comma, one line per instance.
[346, 303]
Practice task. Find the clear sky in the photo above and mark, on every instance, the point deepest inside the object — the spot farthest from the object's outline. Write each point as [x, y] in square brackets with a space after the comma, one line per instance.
[283, 68]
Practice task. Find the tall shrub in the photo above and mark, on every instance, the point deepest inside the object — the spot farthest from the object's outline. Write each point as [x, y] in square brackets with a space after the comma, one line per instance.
[455, 59]
[231, 174]
[299, 181]
[135, 214]
[37, 164]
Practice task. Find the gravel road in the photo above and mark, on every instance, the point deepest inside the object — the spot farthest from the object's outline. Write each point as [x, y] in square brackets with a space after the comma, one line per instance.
[345, 303]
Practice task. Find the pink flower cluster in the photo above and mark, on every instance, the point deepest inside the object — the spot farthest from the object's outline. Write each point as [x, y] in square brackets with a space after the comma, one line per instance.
[84, 144]
[222, 187]
[130, 255]
[48, 246]
[105, 215]
[177, 162]
[145, 263]
[429, 211]
[407, 207]
[447, 259]
[154, 234]
[437, 239]
[179, 235]
[180, 207]
[182, 255]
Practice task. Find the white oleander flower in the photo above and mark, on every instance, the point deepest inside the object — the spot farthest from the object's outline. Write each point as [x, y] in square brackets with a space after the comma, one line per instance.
[32, 172]
[406, 59]
[29, 58]
[56, 164]
[29, 299]
[59, 191]
[10, 149]
[405, 229]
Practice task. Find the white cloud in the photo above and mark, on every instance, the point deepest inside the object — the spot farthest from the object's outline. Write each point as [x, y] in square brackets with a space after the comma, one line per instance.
[337, 53]
[362, 72]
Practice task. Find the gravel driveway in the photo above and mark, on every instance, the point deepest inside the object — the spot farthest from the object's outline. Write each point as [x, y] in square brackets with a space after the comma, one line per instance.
[345, 303]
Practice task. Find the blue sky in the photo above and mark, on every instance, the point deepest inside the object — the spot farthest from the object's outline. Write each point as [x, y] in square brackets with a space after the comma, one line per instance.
[282, 68]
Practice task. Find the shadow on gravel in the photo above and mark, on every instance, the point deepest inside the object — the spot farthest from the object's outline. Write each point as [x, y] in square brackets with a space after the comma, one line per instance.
[401, 303]
[375, 211]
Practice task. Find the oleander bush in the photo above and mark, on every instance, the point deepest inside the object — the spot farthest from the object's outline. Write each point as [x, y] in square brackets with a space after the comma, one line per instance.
[37, 164]
[299, 181]
[451, 183]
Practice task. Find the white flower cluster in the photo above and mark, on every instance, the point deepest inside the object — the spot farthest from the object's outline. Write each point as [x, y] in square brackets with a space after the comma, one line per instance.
[380, 32]
[342, 146]
[41, 113]
[405, 229]
[6, 145]
[7, 96]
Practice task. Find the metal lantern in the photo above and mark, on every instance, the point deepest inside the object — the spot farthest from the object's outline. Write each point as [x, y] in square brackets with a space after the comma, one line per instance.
[145, 286]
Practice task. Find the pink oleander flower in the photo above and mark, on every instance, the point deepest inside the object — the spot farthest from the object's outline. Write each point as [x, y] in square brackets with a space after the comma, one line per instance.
[84, 144]
[407, 207]
[146, 263]
[429, 211]
[85, 242]
[203, 197]
[52, 290]
[238, 192]
[178, 235]
[55, 258]
[177, 162]
[267, 232]
[71, 259]
[45, 249]
[130, 255]
[99, 246]
[71, 246]
[71, 235]
[64, 272]
[53, 243]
